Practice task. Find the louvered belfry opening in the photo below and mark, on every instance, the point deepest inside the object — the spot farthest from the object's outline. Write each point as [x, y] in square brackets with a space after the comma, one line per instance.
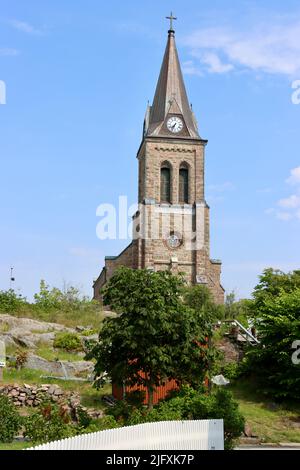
[165, 184]
[184, 186]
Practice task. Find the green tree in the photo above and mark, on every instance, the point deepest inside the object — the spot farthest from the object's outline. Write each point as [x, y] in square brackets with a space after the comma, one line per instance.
[47, 299]
[200, 299]
[155, 332]
[271, 283]
[278, 325]
[240, 310]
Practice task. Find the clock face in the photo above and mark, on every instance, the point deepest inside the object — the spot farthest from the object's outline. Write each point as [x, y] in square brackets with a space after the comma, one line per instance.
[175, 124]
[174, 241]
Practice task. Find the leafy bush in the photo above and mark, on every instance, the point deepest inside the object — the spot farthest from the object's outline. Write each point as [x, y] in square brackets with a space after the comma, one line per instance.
[48, 423]
[192, 404]
[107, 422]
[163, 412]
[67, 341]
[10, 421]
[123, 409]
[220, 406]
[84, 420]
[231, 370]
[53, 298]
[89, 332]
[11, 302]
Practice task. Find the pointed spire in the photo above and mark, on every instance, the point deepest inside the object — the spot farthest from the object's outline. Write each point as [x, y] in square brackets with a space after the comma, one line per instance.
[170, 96]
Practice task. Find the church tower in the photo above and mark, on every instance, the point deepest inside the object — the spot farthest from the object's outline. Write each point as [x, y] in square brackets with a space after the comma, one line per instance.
[171, 228]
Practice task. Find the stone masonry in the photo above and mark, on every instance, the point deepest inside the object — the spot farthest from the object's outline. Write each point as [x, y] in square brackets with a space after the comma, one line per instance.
[158, 221]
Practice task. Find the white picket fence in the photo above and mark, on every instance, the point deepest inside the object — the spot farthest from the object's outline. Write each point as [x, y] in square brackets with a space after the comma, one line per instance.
[165, 435]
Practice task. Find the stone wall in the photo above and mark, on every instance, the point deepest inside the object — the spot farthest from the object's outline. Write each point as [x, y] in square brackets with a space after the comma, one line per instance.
[29, 395]
[158, 220]
[32, 396]
[154, 153]
[127, 258]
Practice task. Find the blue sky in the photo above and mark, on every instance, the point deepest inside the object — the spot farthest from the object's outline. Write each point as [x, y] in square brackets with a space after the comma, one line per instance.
[78, 76]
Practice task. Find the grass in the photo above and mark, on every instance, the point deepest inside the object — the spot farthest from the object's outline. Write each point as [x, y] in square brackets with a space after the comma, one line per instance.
[29, 376]
[47, 352]
[89, 315]
[15, 445]
[51, 354]
[90, 397]
[270, 423]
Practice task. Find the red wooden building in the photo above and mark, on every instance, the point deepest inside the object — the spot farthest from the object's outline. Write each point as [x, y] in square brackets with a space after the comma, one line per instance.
[120, 391]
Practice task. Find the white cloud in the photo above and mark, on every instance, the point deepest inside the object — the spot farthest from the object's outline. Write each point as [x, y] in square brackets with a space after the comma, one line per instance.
[284, 216]
[214, 63]
[24, 27]
[294, 176]
[6, 51]
[289, 207]
[291, 202]
[189, 68]
[271, 47]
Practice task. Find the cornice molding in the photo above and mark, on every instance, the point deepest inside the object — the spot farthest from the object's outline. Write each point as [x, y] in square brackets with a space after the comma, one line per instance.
[174, 148]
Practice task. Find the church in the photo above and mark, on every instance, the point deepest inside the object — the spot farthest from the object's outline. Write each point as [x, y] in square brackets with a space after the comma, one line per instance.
[171, 229]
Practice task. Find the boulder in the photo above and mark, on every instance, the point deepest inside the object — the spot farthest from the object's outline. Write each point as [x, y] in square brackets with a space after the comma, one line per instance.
[60, 368]
[27, 332]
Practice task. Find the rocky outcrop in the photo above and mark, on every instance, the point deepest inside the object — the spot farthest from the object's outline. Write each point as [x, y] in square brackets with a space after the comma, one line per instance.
[28, 333]
[60, 368]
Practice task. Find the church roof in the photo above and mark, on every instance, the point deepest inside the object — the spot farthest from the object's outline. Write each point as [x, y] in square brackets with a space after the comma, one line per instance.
[170, 95]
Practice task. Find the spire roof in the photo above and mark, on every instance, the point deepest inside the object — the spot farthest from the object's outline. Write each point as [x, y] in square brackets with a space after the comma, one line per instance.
[170, 96]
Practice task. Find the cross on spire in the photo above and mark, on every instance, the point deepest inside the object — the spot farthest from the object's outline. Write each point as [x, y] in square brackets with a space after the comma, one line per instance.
[171, 18]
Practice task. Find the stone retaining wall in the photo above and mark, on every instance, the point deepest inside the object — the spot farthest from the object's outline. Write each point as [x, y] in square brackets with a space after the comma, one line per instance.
[32, 396]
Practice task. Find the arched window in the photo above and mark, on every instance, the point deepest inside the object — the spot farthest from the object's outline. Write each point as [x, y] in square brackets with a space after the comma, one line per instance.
[165, 184]
[184, 185]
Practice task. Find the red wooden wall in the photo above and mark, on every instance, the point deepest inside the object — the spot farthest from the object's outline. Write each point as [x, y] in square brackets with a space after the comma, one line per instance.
[119, 391]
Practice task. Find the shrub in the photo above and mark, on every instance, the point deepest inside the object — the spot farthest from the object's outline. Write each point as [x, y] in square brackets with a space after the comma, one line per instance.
[193, 404]
[163, 412]
[10, 301]
[107, 422]
[123, 409]
[21, 359]
[67, 341]
[84, 420]
[89, 332]
[48, 423]
[10, 421]
[220, 405]
[231, 370]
